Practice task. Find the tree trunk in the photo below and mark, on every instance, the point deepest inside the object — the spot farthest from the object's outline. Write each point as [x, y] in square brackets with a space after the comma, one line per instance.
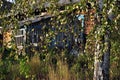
[101, 67]
[98, 45]
[106, 56]
[97, 63]
[107, 44]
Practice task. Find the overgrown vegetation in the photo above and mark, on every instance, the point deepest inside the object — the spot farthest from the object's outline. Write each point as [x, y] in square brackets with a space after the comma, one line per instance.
[74, 60]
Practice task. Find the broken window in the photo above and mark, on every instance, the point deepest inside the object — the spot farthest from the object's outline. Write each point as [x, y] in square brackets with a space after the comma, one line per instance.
[20, 37]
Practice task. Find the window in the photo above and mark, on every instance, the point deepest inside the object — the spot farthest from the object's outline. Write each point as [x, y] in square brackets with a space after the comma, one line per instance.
[33, 33]
[20, 37]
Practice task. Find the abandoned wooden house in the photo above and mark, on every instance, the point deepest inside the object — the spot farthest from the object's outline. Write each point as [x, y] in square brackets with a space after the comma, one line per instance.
[34, 33]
